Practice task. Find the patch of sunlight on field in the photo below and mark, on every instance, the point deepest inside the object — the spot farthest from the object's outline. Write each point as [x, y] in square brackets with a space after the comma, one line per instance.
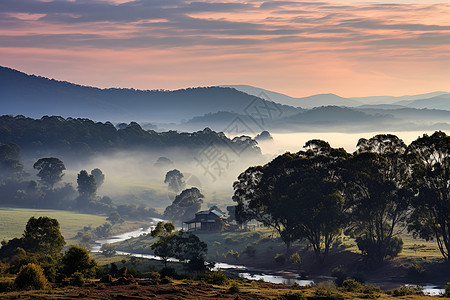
[13, 221]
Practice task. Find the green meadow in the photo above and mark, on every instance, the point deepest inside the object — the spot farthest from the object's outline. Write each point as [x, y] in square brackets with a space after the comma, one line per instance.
[13, 221]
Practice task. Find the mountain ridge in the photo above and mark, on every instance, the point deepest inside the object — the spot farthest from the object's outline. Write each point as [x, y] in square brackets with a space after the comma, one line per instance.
[325, 99]
[37, 96]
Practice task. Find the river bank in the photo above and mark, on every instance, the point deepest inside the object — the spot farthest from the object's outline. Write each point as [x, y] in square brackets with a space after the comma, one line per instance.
[392, 274]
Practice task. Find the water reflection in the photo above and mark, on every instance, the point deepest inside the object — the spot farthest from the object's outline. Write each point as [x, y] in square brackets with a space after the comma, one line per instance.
[275, 278]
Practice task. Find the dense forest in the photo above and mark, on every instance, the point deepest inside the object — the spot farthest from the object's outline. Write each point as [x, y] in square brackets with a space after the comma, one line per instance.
[82, 137]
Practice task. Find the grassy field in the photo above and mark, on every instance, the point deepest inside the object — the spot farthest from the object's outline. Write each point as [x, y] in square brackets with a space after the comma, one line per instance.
[13, 221]
[267, 243]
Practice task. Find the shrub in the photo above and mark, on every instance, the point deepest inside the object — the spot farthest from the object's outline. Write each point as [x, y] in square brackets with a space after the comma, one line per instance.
[134, 272]
[77, 259]
[215, 277]
[280, 258]
[168, 272]
[234, 288]
[370, 289]
[77, 279]
[351, 285]
[155, 275]
[31, 276]
[340, 275]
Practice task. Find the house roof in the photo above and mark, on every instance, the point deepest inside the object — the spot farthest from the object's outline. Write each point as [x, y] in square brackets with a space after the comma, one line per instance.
[207, 212]
[216, 213]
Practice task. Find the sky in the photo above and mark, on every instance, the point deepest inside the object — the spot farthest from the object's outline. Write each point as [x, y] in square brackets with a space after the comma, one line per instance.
[300, 48]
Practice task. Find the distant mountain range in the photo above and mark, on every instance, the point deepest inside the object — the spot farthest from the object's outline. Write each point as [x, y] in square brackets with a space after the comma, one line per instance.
[36, 96]
[234, 109]
[434, 100]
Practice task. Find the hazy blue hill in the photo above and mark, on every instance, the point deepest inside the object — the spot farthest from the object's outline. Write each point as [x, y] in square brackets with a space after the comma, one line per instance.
[441, 102]
[380, 106]
[393, 99]
[326, 100]
[36, 96]
[334, 114]
[411, 114]
[331, 118]
[332, 99]
[303, 102]
[271, 95]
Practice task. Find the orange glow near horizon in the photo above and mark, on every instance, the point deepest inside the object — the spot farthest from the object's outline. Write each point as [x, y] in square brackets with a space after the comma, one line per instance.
[297, 48]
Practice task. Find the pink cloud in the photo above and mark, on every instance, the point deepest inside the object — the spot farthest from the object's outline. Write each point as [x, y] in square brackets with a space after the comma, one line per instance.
[297, 47]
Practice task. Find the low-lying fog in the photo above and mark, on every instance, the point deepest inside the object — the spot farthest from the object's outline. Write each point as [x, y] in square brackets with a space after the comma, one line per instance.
[132, 177]
[292, 142]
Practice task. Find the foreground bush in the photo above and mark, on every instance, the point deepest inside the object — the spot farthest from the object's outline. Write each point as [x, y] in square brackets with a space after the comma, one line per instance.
[31, 276]
[77, 279]
[351, 285]
[405, 291]
[215, 277]
[77, 259]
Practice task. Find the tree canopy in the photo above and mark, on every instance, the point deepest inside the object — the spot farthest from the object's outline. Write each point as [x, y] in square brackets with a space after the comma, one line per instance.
[43, 235]
[175, 181]
[185, 205]
[185, 246]
[10, 165]
[431, 206]
[297, 195]
[50, 170]
[77, 259]
[87, 185]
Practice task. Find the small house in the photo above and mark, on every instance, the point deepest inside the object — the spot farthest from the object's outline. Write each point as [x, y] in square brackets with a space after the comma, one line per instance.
[205, 221]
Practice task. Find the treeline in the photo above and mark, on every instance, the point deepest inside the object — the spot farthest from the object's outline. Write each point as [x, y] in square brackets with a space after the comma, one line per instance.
[372, 195]
[49, 191]
[80, 137]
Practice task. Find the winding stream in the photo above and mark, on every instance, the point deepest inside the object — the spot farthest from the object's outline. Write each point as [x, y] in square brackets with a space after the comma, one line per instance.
[428, 289]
